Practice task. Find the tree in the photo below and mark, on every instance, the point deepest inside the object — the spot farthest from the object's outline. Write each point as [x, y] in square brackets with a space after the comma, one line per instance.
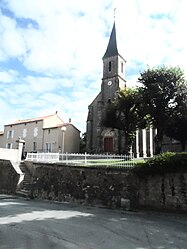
[83, 143]
[161, 96]
[176, 129]
[125, 113]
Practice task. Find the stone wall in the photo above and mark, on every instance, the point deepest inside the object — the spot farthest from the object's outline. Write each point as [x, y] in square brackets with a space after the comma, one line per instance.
[166, 191]
[111, 187]
[8, 178]
[100, 187]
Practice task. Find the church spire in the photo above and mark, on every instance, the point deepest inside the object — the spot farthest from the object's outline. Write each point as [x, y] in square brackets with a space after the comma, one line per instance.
[112, 45]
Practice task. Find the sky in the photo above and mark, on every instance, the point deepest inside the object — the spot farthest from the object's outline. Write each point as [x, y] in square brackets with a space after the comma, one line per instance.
[51, 51]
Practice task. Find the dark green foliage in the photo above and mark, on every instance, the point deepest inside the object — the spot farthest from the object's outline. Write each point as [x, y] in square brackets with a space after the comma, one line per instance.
[125, 113]
[83, 143]
[177, 129]
[163, 163]
[163, 91]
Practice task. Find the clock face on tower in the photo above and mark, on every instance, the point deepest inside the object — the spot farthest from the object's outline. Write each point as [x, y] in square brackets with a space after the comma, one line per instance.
[109, 83]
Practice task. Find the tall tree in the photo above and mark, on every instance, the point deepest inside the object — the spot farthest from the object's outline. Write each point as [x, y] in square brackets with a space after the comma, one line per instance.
[177, 128]
[125, 113]
[83, 143]
[161, 95]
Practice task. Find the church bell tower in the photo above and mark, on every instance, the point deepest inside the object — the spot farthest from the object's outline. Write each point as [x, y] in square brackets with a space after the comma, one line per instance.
[113, 69]
[101, 139]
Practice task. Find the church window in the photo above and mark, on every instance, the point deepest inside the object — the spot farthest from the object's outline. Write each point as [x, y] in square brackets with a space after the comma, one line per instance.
[109, 66]
[122, 67]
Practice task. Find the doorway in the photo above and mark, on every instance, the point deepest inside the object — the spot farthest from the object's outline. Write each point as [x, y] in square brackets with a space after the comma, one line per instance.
[108, 144]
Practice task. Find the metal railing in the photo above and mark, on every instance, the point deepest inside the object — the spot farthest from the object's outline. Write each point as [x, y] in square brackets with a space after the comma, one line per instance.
[84, 159]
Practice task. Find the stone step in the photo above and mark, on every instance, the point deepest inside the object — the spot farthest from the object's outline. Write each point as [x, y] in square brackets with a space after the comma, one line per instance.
[27, 177]
[23, 192]
[25, 187]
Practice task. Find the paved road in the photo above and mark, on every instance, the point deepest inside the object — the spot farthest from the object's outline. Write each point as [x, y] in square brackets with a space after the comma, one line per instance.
[31, 224]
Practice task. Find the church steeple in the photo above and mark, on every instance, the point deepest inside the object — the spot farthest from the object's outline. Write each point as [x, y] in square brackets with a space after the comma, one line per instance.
[112, 45]
[113, 68]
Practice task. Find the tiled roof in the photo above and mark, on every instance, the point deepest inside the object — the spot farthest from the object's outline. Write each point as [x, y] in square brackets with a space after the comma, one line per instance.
[29, 120]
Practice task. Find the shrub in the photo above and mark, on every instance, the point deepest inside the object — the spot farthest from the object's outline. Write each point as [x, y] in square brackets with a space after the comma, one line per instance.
[163, 163]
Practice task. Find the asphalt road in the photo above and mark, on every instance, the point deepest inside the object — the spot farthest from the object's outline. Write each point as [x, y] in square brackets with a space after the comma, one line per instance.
[32, 224]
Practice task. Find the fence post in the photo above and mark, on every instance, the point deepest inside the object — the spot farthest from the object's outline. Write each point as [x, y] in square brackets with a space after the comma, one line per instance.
[85, 159]
[66, 158]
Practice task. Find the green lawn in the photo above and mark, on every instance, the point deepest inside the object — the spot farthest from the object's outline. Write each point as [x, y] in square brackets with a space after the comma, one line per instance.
[106, 162]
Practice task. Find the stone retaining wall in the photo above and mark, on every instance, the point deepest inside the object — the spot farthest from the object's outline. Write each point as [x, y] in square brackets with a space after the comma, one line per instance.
[8, 178]
[101, 186]
[167, 191]
[111, 187]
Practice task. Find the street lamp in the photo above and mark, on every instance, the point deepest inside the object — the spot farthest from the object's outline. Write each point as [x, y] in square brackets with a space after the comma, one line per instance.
[63, 129]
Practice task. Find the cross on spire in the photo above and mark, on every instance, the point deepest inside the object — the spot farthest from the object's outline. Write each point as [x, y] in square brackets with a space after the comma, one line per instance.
[114, 14]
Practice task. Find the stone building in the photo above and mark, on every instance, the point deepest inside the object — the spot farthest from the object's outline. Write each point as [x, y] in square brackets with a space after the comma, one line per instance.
[101, 139]
[42, 134]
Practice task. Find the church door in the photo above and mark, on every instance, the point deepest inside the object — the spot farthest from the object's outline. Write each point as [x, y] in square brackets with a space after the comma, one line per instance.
[108, 144]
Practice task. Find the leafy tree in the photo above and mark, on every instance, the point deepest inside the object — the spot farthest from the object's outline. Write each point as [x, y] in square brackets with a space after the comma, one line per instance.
[125, 113]
[161, 96]
[177, 128]
[83, 143]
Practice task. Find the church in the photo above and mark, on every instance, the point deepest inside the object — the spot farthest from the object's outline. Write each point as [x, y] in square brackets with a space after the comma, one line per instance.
[101, 139]
[107, 140]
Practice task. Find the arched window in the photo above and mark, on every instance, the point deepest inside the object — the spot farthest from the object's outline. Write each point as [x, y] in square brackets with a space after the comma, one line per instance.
[109, 66]
[121, 67]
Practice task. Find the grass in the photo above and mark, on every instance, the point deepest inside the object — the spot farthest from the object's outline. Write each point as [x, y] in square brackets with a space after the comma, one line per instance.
[107, 163]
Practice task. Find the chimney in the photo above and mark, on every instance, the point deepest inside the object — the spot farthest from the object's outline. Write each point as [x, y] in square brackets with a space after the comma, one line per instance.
[69, 120]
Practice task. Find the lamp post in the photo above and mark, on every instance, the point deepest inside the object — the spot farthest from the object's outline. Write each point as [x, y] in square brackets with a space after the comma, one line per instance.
[63, 129]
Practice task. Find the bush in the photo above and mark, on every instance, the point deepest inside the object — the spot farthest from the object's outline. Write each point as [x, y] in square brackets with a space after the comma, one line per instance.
[163, 163]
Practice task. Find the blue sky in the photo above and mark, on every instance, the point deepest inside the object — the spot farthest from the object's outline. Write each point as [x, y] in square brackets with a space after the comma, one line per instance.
[51, 50]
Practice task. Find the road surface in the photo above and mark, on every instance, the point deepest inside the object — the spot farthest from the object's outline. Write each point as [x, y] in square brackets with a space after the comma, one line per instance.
[33, 224]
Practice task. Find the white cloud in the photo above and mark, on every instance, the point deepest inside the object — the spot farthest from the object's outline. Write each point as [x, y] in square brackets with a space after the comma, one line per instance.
[60, 45]
[8, 76]
[12, 43]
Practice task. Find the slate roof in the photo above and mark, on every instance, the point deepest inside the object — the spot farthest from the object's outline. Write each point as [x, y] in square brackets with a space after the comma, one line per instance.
[112, 45]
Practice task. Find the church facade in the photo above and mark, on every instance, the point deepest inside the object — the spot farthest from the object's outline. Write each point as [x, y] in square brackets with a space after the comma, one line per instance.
[107, 140]
[99, 138]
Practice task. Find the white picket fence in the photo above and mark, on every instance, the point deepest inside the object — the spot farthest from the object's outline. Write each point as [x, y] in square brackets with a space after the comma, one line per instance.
[83, 159]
